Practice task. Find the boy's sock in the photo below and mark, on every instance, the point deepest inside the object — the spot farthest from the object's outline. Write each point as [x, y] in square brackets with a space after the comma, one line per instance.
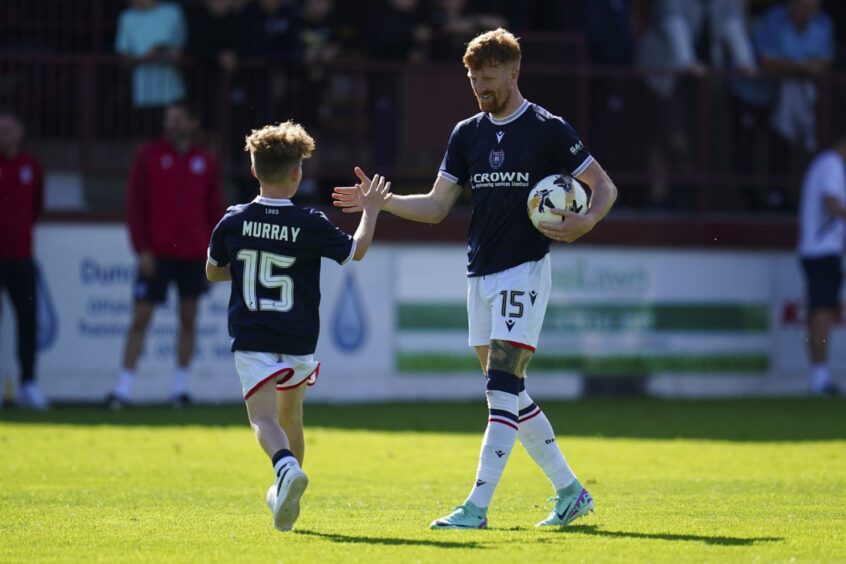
[282, 460]
[125, 381]
[180, 381]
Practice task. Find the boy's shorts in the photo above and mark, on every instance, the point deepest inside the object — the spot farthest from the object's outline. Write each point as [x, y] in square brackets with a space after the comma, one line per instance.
[287, 370]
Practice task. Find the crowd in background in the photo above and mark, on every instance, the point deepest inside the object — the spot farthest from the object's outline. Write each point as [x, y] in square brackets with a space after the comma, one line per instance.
[792, 41]
[772, 50]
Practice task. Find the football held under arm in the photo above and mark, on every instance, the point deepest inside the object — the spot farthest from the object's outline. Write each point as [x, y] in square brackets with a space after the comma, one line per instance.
[604, 193]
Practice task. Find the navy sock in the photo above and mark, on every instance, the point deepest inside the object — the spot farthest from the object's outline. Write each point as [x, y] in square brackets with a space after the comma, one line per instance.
[504, 382]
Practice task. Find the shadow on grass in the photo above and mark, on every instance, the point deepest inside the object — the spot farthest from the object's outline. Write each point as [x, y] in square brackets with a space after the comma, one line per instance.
[335, 537]
[593, 530]
[782, 419]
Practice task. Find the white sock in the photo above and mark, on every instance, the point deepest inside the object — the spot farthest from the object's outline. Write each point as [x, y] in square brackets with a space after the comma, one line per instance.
[125, 380]
[180, 381]
[283, 462]
[820, 376]
[538, 439]
[496, 445]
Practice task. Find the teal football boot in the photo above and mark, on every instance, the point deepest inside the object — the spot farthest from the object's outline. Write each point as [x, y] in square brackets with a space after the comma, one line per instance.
[571, 503]
[466, 516]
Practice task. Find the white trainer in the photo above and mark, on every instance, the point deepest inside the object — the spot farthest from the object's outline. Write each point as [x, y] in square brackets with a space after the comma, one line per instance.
[271, 497]
[290, 486]
[30, 397]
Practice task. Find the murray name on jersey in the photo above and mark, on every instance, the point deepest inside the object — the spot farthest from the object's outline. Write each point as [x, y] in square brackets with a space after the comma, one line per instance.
[270, 231]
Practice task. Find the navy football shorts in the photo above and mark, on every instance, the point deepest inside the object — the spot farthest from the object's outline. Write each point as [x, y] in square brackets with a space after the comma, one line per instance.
[189, 276]
[823, 279]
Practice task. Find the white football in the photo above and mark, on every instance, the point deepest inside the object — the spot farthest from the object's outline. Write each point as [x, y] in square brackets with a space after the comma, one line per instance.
[556, 191]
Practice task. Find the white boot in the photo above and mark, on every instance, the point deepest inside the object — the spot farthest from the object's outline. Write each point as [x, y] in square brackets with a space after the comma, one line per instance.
[30, 397]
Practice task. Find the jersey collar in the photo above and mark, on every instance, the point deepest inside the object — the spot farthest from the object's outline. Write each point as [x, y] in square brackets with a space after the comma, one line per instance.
[273, 201]
[508, 119]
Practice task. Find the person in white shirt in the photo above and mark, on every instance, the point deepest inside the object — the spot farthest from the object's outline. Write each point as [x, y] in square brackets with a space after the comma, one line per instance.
[822, 241]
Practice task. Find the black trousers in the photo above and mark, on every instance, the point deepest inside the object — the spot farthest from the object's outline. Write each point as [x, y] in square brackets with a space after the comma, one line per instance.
[18, 277]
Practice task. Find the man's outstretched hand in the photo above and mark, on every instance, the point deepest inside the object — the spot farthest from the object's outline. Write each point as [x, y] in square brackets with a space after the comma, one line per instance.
[348, 198]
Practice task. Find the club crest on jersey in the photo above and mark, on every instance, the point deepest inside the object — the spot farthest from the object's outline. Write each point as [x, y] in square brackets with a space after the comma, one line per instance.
[198, 165]
[26, 174]
[496, 158]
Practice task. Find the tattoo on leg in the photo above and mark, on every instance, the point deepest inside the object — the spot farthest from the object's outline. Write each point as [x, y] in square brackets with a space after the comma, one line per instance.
[508, 358]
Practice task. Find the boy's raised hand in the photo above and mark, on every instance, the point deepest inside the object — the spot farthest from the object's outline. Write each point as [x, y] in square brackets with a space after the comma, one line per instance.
[376, 194]
[348, 198]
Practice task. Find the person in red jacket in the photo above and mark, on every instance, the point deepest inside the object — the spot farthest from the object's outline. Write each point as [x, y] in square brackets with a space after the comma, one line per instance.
[21, 201]
[174, 200]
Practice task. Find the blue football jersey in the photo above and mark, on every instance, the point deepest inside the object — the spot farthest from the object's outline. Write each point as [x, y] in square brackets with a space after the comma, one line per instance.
[502, 160]
[273, 249]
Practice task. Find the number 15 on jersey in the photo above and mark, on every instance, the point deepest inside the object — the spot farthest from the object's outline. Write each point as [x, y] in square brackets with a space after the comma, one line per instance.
[258, 269]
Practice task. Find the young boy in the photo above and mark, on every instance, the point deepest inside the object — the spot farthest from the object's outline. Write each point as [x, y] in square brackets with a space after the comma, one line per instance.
[271, 250]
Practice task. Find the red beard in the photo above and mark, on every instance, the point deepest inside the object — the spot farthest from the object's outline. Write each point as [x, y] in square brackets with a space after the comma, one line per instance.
[492, 105]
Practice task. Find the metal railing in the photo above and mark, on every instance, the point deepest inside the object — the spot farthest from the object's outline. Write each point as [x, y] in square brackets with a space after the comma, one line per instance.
[692, 150]
[59, 26]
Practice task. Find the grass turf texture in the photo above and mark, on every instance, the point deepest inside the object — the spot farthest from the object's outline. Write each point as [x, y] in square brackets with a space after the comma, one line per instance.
[673, 481]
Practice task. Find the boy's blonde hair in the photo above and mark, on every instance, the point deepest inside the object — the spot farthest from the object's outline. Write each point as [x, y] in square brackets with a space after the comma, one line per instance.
[276, 148]
[492, 48]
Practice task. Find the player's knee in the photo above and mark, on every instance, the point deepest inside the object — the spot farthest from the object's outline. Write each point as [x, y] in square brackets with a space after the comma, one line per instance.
[188, 320]
[188, 327]
[507, 357]
[290, 419]
[140, 320]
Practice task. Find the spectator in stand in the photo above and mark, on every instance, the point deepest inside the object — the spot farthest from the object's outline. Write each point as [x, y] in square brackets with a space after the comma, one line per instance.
[296, 39]
[349, 21]
[274, 30]
[669, 44]
[836, 10]
[217, 39]
[610, 35]
[519, 13]
[21, 200]
[400, 33]
[151, 36]
[218, 34]
[454, 25]
[822, 241]
[795, 41]
[609, 31]
[174, 200]
[320, 40]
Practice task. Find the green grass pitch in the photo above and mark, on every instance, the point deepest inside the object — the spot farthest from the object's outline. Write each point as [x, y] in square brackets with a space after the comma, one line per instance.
[699, 481]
